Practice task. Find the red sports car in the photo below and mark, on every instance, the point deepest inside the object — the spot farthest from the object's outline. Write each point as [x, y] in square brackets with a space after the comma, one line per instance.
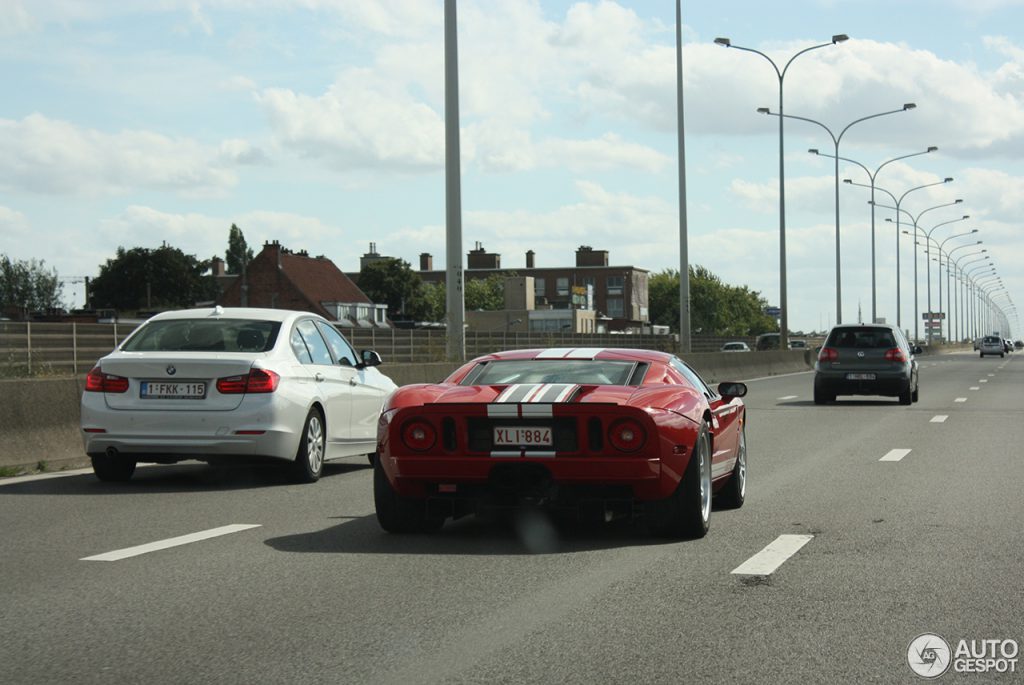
[609, 432]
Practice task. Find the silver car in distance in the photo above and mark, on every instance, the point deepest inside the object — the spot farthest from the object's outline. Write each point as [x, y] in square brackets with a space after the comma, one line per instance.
[232, 385]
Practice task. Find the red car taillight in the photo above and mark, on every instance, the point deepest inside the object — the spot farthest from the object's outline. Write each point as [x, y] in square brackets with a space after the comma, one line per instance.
[256, 381]
[627, 435]
[97, 381]
[895, 355]
[419, 435]
[828, 354]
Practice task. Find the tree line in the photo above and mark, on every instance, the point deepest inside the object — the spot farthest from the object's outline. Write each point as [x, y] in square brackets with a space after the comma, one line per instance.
[147, 279]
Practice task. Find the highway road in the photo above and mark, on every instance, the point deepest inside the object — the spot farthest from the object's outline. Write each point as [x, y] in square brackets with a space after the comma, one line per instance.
[900, 521]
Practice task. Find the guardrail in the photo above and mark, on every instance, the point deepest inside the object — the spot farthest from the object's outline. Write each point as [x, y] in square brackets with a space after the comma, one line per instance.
[48, 349]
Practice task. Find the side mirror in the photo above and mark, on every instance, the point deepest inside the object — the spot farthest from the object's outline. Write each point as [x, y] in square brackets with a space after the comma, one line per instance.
[369, 358]
[730, 390]
[917, 350]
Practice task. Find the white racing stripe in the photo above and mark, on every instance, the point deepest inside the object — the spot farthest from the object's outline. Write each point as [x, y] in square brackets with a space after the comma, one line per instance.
[895, 455]
[128, 552]
[773, 556]
[939, 418]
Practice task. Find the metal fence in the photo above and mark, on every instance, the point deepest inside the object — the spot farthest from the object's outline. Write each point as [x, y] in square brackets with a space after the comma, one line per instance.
[37, 348]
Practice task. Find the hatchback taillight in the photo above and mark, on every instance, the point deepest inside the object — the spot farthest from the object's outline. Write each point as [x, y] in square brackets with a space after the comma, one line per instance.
[97, 381]
[256, 381]
[418, 435]
[895, 355]
[828, 354]
[627, 435]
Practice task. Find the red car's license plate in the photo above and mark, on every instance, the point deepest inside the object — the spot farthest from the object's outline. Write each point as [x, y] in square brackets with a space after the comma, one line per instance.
[521, 437]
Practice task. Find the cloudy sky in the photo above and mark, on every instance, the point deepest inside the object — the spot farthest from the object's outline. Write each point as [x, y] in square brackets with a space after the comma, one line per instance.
[320, 123]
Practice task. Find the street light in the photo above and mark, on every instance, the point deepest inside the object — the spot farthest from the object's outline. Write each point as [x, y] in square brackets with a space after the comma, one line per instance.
[873, 187]
[951, 281]
[949, 292]
[915, 221]
[835, 142]
[725, 42]
[928, 264]
[967, 291]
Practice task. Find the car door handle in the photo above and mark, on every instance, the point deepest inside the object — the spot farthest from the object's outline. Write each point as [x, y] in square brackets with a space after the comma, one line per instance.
[319, 378]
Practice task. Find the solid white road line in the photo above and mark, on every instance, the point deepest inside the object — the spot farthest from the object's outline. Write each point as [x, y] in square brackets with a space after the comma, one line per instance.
[895, 455]
[44, 476]
[960, 399]
[773, 556]
[939, 418]
[789, 397]
[119, 554]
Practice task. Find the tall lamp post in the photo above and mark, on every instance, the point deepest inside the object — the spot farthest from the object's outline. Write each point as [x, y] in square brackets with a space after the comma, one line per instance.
[684, 251]
[781, 74]
[958, 282]
[973, 274]
[915, 220]
[950, 302]
[835, 142]
[928, 264]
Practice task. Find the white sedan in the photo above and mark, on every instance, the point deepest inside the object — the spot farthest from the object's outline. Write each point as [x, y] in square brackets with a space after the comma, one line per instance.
[232, 385]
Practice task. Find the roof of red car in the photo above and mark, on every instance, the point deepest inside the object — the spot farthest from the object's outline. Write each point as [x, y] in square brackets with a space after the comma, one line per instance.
[553, 353]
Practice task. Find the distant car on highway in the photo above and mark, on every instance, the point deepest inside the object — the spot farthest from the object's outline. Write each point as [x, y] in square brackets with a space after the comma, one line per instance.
[735, 346]
[992, 345]
[1019, 345]
[232, 386]
[798, 344]
[767, 341]
[607, 433]
[866, 359]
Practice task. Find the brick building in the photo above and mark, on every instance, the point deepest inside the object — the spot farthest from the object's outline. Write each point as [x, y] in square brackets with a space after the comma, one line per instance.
[278, 278]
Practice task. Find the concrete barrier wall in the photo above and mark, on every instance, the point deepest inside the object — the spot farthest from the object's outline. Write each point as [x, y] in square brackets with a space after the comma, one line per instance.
[39, 416]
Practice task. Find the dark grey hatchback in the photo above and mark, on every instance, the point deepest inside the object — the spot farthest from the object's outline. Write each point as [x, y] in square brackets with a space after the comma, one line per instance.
[866, 359]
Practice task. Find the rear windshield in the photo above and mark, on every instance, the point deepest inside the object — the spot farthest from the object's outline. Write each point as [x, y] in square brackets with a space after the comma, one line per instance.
[579, 371]
[204, 335]
[993, 341]
[862, 338]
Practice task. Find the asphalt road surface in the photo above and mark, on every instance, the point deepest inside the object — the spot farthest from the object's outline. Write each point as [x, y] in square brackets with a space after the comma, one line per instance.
[899, 521]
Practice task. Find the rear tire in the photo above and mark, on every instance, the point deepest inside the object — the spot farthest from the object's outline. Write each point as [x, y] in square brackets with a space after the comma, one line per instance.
[819, 396]
[113, 469]
[397, 514]
[734, 493]
[687, 512]
[916, 395]
[309, 458]
[906, 397]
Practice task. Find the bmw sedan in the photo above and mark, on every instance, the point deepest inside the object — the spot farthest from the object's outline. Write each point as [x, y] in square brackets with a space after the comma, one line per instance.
[234, 385]
[866, 359]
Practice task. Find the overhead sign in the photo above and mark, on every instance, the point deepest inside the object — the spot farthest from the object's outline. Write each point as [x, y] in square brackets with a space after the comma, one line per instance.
[931, 316]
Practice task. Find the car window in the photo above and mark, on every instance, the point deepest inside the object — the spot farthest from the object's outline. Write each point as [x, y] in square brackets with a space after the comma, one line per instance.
[204, 335]
[579, 371]
[318, 350]
[692, 376]
[341, 348]
[299, 347]
[862, 338]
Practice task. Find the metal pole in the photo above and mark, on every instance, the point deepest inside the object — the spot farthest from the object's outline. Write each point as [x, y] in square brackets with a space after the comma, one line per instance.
[454, 297]
[684, 252]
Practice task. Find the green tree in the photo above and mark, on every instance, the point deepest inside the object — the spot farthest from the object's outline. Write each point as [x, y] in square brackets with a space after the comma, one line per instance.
[715, 308]
[392, 281]
[435, 296]
[487, 294]
[239, 253]
[144, 278]
[29, 285]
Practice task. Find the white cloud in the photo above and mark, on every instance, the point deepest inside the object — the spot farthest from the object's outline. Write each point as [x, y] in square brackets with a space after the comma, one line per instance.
[43, 155]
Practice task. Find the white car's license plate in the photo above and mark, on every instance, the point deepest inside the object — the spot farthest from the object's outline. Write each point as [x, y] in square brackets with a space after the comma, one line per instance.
[181, 390]
[522, 437]
[860, 376]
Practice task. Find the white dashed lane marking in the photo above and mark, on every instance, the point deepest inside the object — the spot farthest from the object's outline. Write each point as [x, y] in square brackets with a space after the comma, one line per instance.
[127, 552]
[773, 556]
[789, 397]
[960, 399]
[975, 387]
[895, 455]
[939, 418]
